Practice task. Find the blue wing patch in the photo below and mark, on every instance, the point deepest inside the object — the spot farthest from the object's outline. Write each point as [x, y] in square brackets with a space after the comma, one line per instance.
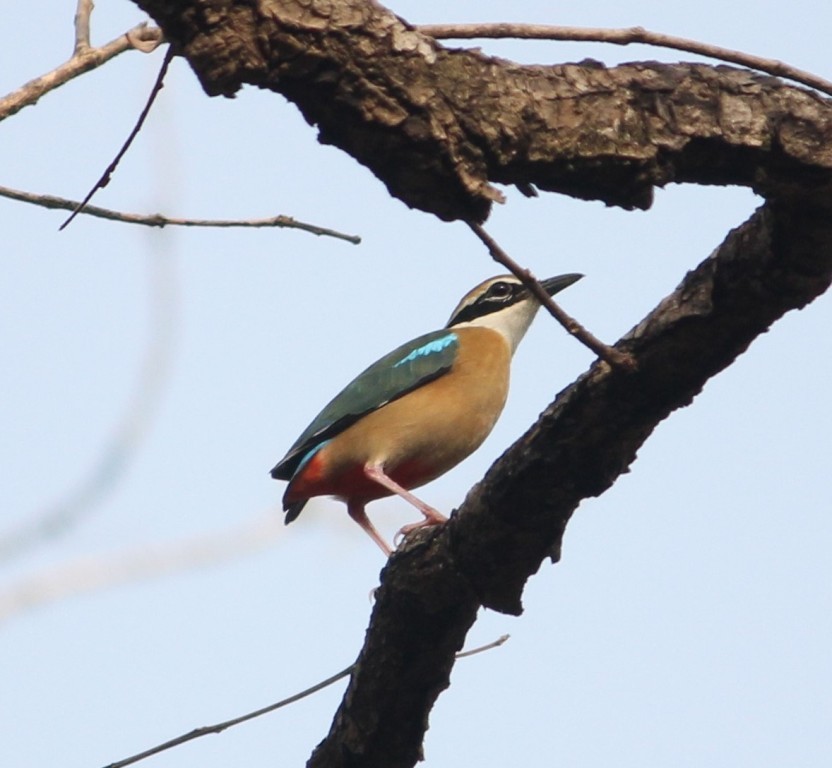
[432, 347]
[410, 366]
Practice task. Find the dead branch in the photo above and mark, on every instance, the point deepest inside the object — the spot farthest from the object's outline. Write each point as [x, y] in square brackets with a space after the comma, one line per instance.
[83, 13]
[158, 220]
[207, 730]
[441, 128]
[628, 36]
[141, 37]
[104, 180]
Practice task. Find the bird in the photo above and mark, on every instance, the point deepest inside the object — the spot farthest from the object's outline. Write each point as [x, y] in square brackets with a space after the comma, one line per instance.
[418, 411]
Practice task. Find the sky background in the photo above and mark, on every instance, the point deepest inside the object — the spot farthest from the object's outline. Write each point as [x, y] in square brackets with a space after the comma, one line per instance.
[151, 379]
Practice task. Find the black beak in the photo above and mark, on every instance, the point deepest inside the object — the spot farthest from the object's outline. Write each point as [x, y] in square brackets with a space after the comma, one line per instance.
[553, 285]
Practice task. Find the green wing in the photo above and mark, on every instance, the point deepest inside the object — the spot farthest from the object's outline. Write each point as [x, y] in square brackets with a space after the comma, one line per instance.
[410, 366]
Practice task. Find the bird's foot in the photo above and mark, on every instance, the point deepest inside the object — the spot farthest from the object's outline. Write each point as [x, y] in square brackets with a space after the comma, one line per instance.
[432, 516]
[436, 518]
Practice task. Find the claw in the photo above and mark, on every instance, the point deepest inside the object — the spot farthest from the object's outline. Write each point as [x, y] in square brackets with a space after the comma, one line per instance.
[438, 519]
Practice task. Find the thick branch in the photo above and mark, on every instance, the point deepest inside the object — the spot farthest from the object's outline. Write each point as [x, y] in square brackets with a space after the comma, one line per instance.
[439, 127]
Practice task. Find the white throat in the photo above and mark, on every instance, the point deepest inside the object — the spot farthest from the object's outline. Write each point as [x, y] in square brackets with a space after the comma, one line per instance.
[511, 322]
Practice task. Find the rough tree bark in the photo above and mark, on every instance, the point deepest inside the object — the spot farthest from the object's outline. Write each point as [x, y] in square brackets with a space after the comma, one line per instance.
[440, 128]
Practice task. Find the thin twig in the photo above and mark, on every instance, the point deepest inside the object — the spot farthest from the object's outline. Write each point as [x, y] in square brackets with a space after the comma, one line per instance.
[220, 727]
[83, 12]
[140, 37]
[157, 220]
[105, 177]
[610, 354]
[626, 36]
[487, 647]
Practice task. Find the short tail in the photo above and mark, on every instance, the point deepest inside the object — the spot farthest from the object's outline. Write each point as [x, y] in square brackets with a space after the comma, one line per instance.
[293, 509]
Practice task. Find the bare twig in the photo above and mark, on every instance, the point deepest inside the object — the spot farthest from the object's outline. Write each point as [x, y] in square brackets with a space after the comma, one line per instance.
[220, 727]
[626, 36]
[83, 12]
[140, 37]
[158, 220]
[610, 354]
[105, 177]
[487, 647]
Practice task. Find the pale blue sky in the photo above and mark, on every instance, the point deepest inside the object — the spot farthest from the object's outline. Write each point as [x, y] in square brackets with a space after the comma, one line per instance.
[690, 621]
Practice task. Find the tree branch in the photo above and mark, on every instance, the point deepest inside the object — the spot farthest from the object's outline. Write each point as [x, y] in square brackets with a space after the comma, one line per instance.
[441, 127]
[140, 37]
[628, 36]
[207, 730]
[104, 179]
[83, 12]
[158, 220]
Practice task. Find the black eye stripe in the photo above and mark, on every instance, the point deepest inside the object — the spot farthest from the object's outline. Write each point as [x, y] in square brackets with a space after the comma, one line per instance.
[490, 301]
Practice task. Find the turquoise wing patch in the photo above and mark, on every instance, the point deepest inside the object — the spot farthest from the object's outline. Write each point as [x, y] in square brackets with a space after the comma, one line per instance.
[433, 347]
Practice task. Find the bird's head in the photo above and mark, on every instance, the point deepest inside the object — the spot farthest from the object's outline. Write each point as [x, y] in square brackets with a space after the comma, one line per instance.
[505, 304]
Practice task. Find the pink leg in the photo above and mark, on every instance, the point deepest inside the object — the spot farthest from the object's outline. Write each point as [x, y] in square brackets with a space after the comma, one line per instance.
[357, 513]
[432, 516]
